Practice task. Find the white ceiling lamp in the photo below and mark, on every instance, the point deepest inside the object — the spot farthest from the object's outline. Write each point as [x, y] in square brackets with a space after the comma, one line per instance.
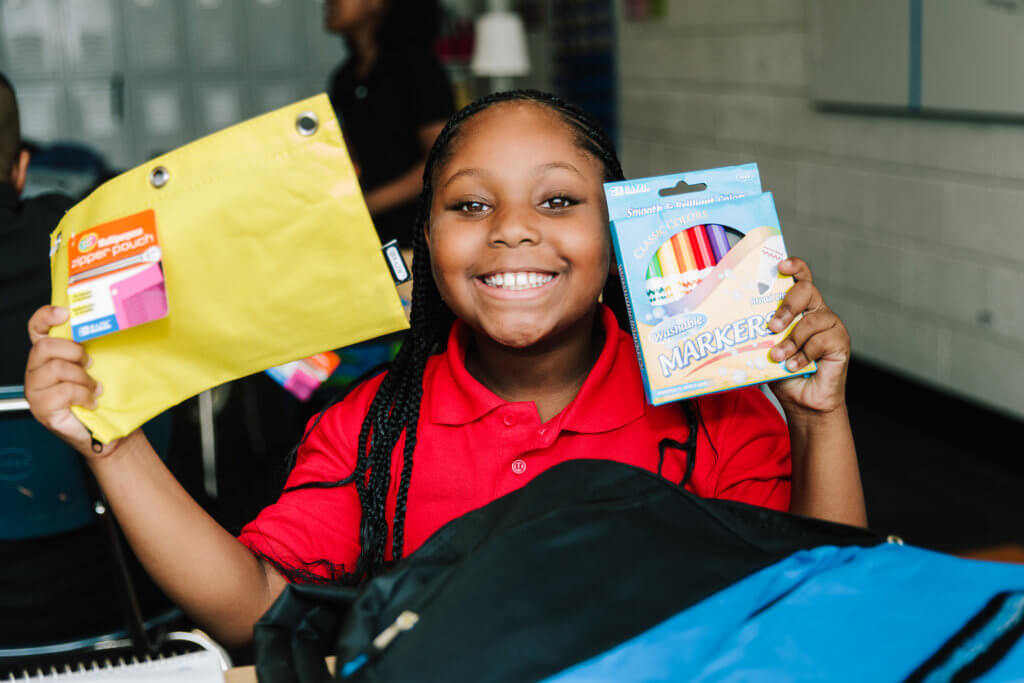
[499, 50]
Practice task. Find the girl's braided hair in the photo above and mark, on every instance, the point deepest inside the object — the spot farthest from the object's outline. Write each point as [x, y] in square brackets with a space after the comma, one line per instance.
[395, 409]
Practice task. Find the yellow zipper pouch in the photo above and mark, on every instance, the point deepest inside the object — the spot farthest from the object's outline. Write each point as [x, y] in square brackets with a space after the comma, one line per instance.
[243, 250]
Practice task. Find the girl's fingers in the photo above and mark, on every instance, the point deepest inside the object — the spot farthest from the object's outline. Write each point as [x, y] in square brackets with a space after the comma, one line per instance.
[811, 324]
[811, 338]
[815, 349]
[56, 371]
[801, 297]
[820, 345]
[797, 268]
[797, 361]
[46, 348]
[56, 399]
[43, 319]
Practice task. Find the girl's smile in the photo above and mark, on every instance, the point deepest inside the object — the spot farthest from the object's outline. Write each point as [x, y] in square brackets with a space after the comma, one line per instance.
[522, 283]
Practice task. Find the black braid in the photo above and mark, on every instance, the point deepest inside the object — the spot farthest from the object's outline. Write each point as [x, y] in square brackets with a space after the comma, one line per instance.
[395, 409]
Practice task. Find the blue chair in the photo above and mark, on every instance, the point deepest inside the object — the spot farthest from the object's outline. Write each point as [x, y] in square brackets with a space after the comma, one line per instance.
[44, 486]
[45, 490]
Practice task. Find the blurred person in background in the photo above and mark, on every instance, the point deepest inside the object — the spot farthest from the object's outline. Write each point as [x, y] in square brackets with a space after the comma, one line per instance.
[392, 97]
[25, 227]
[54, 587]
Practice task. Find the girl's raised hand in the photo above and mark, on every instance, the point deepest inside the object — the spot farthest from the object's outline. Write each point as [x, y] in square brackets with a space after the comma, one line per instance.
[819, 336]
[56, 379]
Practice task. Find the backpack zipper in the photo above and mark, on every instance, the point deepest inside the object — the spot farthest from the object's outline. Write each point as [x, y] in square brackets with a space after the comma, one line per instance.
[404, 622]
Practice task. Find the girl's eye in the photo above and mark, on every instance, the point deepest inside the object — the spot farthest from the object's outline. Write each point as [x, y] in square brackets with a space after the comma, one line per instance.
[558, 202]
[470, 207]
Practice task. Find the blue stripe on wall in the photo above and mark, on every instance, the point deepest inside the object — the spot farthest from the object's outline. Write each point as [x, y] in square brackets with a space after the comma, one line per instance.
[914, 76]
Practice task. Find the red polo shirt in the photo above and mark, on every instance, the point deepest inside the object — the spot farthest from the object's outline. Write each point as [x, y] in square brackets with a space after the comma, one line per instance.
[474, 447]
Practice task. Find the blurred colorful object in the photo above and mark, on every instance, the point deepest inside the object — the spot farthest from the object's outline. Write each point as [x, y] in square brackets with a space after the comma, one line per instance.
[302, 377]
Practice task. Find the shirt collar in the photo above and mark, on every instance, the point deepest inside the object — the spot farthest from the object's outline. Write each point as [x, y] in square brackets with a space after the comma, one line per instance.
[611, 396]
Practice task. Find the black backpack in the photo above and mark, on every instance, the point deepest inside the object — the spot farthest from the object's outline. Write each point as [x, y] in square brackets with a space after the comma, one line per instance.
[589, 554]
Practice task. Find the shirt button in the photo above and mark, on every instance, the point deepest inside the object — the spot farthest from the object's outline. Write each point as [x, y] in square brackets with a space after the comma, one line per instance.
[519, 466]
[509, 420]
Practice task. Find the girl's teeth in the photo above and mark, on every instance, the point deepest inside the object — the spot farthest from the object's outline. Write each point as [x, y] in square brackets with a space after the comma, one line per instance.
[516, 281]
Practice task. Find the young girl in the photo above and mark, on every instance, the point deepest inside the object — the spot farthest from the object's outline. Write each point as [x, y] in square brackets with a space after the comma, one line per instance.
[512, 366]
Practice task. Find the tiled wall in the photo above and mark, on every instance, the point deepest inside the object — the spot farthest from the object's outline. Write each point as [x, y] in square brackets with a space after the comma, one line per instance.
[914, 228]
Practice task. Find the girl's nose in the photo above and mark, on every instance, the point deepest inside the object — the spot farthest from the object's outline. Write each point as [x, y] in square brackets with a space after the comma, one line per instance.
[513, 228]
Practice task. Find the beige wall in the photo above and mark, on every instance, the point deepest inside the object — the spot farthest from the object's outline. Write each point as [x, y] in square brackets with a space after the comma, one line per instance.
[914, 228]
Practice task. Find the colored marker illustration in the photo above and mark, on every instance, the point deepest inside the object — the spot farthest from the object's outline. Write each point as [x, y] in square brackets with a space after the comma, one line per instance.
[684, 259]
[669, 266]
[700, 246]
[655, 283]
[718, 239]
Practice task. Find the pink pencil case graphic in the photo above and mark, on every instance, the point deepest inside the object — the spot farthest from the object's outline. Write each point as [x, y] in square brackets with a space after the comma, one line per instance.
[140, 298]
[115, 277]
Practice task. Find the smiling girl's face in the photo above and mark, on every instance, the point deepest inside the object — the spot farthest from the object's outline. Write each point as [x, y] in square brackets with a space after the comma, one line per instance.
[518, 233]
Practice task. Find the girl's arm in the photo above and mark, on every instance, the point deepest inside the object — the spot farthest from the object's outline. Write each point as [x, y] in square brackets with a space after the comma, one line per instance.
[826, 478]
[197, 563]
[407, 186]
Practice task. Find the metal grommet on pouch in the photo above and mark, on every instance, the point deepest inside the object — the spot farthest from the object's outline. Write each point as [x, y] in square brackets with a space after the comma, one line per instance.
[159, 176]
[307, 123]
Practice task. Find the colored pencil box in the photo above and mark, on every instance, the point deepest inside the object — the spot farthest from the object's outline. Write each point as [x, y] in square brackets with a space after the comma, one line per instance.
[304, 376]
[268, 255]
[698, 255]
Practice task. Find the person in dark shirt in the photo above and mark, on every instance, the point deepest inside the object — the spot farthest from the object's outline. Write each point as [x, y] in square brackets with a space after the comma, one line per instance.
[55, 587]
[392, 98]
[25, 228]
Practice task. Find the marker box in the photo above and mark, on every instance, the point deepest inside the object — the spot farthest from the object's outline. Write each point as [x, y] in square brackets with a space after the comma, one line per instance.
[115, 277]
[698, 255]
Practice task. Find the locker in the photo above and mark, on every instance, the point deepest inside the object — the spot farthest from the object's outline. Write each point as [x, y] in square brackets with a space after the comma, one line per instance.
[162, 118]
[32, 48]
[272, 35]
[91, 36]
[218, 105]
[212, 34]
[93, 117]
[43, 111]
[153, 35]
